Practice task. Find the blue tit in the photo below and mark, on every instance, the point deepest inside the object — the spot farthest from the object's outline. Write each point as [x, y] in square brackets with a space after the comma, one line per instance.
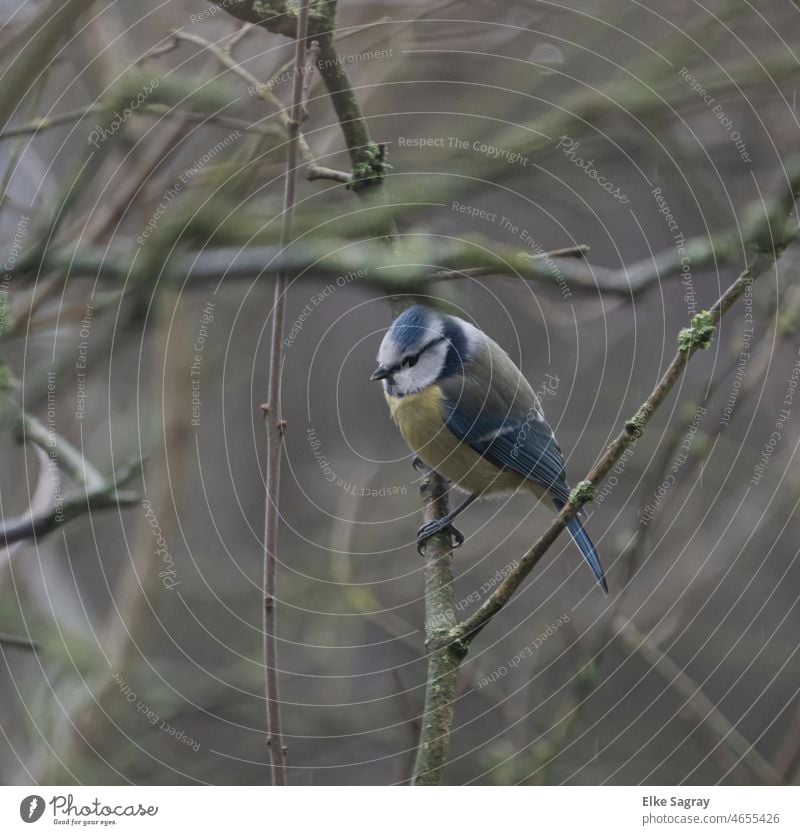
[466, 410]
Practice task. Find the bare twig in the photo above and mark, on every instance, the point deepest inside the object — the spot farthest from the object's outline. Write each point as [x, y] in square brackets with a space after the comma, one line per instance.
[169, 44]
[27, 428]
[308, 74]
[275, 426]
[101, 496]
[18, 642]
[44, 123]
[579, 251]
[366, 156]
[318, 257]
[368, 167]
[162, 110]
[69, 458]
[314, 171]
[40, 501]
[239, 35]
[632, 556]
[55, 451]
[35, 527]
[137, 174]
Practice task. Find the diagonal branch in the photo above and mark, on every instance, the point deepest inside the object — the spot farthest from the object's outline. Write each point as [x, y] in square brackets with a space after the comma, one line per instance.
[56, 455]
[38, 526]
[59, 449]
[105, 496]
[18, 642]
[765, 250]
[699, 706]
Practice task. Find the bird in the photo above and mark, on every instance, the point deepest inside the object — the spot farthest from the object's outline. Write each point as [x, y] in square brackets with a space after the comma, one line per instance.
[468, 413]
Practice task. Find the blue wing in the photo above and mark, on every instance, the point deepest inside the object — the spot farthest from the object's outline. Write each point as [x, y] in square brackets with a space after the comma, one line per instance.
[526, 446]
[504, 424]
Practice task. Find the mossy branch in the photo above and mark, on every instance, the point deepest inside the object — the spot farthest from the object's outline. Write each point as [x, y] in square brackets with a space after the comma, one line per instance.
[444, 655]
[367, 158]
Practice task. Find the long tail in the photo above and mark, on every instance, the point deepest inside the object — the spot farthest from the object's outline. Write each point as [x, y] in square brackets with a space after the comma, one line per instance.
[588, 550]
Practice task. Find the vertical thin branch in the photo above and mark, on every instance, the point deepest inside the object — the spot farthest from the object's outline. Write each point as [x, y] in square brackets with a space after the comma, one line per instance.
[308, 75]
[444, 655]
[274, 424]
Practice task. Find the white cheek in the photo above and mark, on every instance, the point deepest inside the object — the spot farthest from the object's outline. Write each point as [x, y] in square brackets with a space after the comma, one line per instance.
[426, 372]
[402, 380]
[428, 369]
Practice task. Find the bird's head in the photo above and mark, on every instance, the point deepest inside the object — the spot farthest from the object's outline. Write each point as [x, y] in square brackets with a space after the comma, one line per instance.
[421, 347]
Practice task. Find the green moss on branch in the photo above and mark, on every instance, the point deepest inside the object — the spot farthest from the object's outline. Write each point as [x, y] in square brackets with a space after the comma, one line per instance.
[700, 333]
[582, 493]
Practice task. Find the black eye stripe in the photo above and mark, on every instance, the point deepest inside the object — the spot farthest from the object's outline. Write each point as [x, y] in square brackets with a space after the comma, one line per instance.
[412, 359]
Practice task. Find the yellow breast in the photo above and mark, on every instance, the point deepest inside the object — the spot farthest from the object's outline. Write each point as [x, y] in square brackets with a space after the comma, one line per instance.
[420, 418]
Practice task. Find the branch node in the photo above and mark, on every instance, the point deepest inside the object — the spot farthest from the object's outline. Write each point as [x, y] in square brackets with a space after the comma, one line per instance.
[371, 167]
[457, 645]
[635, 426]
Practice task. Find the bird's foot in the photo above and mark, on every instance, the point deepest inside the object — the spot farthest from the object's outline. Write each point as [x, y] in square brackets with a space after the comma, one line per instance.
[419, 465]
[430, 529]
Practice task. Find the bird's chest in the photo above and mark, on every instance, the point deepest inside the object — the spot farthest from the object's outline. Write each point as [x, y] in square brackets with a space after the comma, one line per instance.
[420, 418]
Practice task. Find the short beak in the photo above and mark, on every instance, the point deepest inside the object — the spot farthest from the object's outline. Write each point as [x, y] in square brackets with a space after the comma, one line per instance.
[380, 373]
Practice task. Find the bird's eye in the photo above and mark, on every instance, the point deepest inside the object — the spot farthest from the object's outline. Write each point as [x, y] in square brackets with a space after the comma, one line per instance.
[409, 362]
